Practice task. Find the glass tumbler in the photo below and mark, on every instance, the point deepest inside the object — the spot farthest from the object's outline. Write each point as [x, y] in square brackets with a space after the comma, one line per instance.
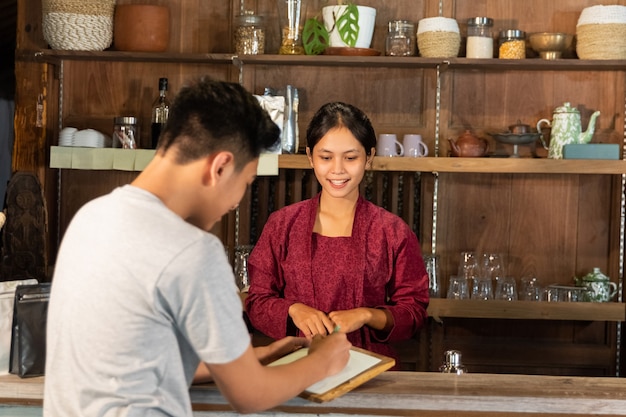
[506, 289]
[482, 289]
[291, 18]
[458, 288]
[530, 289]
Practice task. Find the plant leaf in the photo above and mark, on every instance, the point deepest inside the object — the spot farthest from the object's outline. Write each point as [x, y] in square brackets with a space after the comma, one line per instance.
[348, 25]
[314, 37]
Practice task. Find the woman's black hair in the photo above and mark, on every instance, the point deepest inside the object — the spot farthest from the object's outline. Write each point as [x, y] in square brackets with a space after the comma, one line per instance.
[337, 114]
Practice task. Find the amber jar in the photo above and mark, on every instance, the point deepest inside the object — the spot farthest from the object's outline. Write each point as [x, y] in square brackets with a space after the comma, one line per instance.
[512, 44]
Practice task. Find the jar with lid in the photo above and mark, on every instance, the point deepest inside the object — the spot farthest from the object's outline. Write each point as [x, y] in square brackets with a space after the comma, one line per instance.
[125, 132]
[400, 39]
[479, 38]
[512, 44]
[249, 34]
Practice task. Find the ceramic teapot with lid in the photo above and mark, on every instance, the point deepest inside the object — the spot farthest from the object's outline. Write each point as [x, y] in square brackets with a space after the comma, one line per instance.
[566, 129]
[468, 145]
[599, 287]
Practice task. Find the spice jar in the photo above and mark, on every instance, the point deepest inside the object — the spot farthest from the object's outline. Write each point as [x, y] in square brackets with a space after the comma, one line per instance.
[512, 44]
[400, 38]
[479, 38]
[249, 34]
[125, 132]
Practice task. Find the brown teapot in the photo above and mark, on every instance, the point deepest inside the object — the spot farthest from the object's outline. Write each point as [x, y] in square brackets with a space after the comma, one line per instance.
[468, 145]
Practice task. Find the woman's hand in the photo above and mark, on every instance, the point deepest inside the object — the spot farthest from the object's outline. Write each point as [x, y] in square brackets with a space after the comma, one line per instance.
[310, 321]
[351, 320]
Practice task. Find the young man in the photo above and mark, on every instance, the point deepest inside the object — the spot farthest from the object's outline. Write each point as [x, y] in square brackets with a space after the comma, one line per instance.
[142, 293]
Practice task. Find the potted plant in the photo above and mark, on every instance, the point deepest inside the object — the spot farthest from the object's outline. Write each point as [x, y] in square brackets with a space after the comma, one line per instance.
[341, 25]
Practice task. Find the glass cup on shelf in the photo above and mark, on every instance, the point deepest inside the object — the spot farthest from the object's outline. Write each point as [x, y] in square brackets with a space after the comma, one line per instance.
[458, 288]
[530, 290]
[482, 288]
[506, 289]
[492, 266]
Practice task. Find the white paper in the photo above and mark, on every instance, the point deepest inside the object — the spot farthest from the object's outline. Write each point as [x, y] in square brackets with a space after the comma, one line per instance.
[357, 363]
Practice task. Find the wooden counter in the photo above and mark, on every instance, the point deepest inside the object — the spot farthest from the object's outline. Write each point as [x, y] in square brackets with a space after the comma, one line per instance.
[406, 393]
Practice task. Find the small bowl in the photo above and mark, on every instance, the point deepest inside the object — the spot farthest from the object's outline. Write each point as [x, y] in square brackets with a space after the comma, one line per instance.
[550, 45]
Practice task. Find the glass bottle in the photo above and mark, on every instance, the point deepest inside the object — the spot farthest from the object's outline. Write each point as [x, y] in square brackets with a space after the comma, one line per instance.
[400, 38]
[512, 44]
[479, 38]
[160, 112]
[249, 34]
[291, 17]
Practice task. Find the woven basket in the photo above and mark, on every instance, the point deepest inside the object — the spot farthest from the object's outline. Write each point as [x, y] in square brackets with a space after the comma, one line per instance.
[438, 37]
[601, 33]
[81, 25]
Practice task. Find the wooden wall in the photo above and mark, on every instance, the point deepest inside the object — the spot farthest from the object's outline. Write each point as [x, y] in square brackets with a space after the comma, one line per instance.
[554, 226]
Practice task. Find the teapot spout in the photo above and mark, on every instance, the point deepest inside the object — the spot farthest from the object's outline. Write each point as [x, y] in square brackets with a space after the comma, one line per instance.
[585, 137]
[456, 151]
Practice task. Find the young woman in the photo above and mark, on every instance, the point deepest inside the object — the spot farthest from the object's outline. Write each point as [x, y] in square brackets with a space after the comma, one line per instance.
[337, 262]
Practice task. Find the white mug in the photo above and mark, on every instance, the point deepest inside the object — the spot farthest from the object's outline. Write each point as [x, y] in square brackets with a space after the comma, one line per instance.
[388, 145]
[413, 146]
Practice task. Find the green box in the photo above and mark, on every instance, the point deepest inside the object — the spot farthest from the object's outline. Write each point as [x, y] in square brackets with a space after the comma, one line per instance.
[591, 151]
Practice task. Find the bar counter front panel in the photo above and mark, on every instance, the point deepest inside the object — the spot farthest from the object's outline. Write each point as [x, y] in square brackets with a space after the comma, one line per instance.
[403, 394]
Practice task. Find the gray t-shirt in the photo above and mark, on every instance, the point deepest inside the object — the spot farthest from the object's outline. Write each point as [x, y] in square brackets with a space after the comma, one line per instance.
[138, 297]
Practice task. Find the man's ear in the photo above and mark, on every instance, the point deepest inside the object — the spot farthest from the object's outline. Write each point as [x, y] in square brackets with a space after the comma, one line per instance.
[216, 166]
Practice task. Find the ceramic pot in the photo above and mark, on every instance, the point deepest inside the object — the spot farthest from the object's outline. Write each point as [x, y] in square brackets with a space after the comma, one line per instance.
[141, 28]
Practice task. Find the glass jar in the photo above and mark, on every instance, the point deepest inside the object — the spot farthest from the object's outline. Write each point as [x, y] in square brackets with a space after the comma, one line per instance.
[479, 38]
[512, 44]
[249, 34]
[400, 38]
[125, 132]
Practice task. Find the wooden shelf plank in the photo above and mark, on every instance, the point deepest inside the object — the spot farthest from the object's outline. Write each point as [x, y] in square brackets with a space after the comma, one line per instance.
[531, 64]
[526, 310]
[480, 165]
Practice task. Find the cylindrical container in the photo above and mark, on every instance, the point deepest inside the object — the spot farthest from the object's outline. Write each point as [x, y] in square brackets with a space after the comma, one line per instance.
[81, 25]
[601, 32]
[434, 276]
[512, 44]
[479, 38]
[126, 132]
[438, 37]
[291, 19]
[141, 28]
[400, 39]
[249, 34]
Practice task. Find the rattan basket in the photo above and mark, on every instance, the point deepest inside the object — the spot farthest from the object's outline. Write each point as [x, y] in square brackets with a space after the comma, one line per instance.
[82, 25]
[601, 33]
[438, 37]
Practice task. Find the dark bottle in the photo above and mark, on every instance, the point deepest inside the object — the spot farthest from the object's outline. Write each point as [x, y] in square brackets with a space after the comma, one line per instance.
[160, 111]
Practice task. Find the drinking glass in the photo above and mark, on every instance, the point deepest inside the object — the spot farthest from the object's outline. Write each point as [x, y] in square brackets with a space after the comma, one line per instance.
[482, 289]
[530, 289]
[434, 279]
[458, 288]
[468, 265]
[506, 289]
[492, 266]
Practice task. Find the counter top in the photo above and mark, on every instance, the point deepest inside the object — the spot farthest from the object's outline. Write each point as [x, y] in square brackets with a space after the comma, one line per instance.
[404, 393]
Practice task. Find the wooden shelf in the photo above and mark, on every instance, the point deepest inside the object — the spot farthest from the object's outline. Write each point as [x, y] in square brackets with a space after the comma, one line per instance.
[531, 64]
[137, 159]
[479, 165]
[526, 310]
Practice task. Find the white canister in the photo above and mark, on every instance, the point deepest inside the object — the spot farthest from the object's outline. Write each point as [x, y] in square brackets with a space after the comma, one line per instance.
[438, 37]
[479, 38]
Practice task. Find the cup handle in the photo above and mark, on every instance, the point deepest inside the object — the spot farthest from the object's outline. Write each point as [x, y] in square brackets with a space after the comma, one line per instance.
[424, 148]
[399, 145]
[613, 289]
[539, 123]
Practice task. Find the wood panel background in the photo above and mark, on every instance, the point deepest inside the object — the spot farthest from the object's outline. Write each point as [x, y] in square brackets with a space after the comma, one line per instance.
[553, 226]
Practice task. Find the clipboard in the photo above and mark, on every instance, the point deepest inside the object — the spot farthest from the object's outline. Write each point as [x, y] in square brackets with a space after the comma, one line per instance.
[362, 366]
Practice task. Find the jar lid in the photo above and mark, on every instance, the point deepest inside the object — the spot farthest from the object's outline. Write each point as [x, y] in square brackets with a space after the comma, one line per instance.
[401, 25]
[512, 33]
[249, 20]
[480, 21]
[125, 120]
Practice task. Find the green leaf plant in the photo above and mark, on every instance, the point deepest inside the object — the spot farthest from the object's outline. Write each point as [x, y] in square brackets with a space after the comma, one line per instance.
[315, 36]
